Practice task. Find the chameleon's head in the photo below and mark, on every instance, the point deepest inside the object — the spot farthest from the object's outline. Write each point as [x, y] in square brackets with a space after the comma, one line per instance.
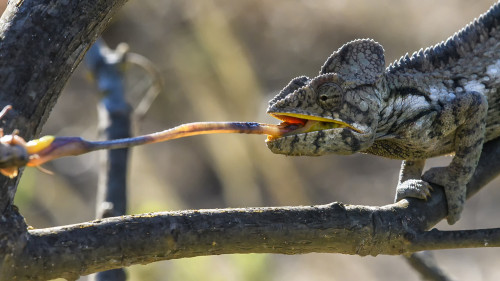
[339, 109]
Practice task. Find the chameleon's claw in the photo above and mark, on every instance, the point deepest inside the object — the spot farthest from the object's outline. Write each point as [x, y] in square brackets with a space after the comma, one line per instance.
[414, 189]
[10, 172]
[44, 170]
[5, 110]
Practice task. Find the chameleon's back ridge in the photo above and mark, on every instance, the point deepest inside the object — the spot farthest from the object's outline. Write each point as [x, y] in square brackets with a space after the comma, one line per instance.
[469, 41]
[467, 61]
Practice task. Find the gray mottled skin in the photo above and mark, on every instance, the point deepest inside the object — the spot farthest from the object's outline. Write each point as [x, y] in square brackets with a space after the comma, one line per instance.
[441, 100]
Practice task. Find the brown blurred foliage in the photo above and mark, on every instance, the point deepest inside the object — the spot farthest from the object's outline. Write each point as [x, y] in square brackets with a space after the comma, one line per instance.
[222, 61]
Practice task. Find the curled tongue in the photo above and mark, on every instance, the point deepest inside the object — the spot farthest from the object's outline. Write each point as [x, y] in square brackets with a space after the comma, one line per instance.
[288, 126]
[283, 129]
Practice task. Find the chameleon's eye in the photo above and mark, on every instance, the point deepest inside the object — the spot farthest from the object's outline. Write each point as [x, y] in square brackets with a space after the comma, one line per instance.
[329, 95]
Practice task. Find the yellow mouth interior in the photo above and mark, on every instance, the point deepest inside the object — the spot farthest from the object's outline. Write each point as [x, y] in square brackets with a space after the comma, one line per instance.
[308, 123]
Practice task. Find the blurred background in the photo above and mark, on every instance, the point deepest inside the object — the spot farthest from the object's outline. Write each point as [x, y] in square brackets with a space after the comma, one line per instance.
[222, 61]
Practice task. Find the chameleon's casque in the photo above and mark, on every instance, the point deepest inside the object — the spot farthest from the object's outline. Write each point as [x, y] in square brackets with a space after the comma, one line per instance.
[441, 100]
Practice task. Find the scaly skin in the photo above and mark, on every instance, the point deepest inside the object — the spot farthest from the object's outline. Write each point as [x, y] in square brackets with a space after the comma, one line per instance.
[439, 101]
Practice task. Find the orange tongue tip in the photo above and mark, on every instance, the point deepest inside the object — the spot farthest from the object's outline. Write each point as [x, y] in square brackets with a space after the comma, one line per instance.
[284, 128]
[290, 120]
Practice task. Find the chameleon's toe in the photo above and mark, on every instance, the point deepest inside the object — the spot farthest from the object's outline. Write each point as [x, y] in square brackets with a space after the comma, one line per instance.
[454, 191]
[437, 175]
[455, 196]
[414, 189]
[454, 214]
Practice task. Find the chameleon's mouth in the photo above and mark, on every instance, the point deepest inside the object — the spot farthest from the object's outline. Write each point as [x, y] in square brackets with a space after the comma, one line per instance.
[306, 124]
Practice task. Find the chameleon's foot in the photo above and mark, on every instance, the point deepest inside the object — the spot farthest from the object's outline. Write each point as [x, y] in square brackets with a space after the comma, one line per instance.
[413, 188]
[454, 191]
[455, 209]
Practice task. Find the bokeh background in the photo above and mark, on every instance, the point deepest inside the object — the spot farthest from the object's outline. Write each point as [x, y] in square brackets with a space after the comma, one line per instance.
[222, 61]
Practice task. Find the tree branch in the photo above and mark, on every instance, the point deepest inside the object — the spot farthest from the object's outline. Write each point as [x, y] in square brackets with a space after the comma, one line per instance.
[425, 264]
[42, 42]
[114, 123]
[439, 240]
[81, 249]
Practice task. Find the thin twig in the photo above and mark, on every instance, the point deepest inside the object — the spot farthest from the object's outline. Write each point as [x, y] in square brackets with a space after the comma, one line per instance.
[156, 87]
[425, 264]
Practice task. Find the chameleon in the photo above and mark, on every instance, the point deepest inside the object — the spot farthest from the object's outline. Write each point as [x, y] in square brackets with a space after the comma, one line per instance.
[439, 101]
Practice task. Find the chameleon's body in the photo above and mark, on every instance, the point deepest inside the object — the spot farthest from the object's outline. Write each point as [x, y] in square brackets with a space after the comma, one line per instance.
[439, 101]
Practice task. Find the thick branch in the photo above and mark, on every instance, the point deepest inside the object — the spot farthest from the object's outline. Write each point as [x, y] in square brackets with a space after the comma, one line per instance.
[116, 242]
[122, 241]
[41, 43]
